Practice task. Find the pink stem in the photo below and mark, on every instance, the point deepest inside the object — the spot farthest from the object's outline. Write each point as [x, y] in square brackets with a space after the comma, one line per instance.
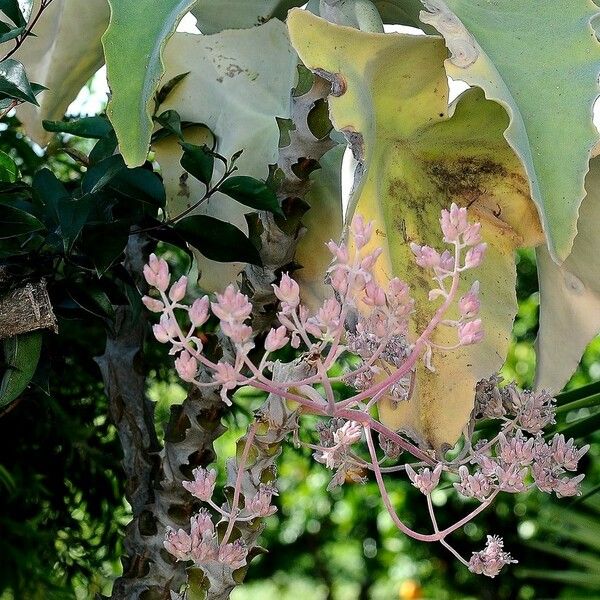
[238, 483]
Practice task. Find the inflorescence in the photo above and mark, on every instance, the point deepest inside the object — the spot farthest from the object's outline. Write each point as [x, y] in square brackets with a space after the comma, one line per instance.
[370, 324]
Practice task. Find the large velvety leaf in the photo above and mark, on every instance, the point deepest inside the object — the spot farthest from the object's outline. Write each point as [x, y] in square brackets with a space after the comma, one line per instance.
[540, 61]
[418, 155]
[239, 14]
[240, 82]
[570, 295]
[63, 55]
[133, 47]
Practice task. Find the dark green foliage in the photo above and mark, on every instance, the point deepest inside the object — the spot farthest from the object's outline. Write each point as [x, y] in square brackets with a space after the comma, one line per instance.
[217, 239]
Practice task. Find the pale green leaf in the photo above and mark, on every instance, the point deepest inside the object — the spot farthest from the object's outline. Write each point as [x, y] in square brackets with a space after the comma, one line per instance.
[239, 82]
[540, 61]
[63, 55]
[239, 14]
[570, 295]
[133, 47]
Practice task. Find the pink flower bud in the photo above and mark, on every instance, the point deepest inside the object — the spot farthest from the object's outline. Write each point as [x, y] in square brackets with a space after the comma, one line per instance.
[186, 366]
[470, 332]
[447, 261]
[152, 304]
[340, 252]
[202, 528]
[232, 306]
[178, 289]
[288, 292]
[169, 324]
[339, 279]
[198, 313]
[276, 339]
[472, 235]
[203, 485]
[368, 262]
[237, 332]
[374, 295]
[474, 256]
[469, 304]
[160, 333]
[362, 231]
[453, 222]
[425, 256]
[156, 273]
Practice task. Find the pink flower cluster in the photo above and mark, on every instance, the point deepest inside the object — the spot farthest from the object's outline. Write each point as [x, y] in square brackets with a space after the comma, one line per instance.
[366, 321]
[201, 545]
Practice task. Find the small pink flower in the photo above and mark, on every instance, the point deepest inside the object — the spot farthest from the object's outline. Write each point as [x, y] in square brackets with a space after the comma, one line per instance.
[566, 486]
[362, 231]
[152, 304]
[565, 453]
[474, 256]
[348, 434]
[186, 366]
[178, 543]
[276, 339]
[234, 555]
[260, 504]
[232, 306]
[178, 289]
[156, 273]
[469, 304]
[425, 480]
[473, 486]
[288, 293]
[226, 376]
[327, 318]
[490, 560]
[202, 527]
[470, 332]
[454, 223]
[198, 313]
[203, 485]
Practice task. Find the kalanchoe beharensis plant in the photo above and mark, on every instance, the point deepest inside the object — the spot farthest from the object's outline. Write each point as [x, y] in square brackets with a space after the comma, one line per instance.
[369, 324]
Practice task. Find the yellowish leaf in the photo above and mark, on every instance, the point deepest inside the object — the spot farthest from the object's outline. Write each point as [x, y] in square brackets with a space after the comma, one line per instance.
[417, 155]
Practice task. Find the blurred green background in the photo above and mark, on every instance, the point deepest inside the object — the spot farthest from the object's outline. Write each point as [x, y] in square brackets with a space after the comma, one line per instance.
[62, 512]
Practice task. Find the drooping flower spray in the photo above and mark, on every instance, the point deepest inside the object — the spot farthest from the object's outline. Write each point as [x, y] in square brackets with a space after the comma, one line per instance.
[369, 323]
